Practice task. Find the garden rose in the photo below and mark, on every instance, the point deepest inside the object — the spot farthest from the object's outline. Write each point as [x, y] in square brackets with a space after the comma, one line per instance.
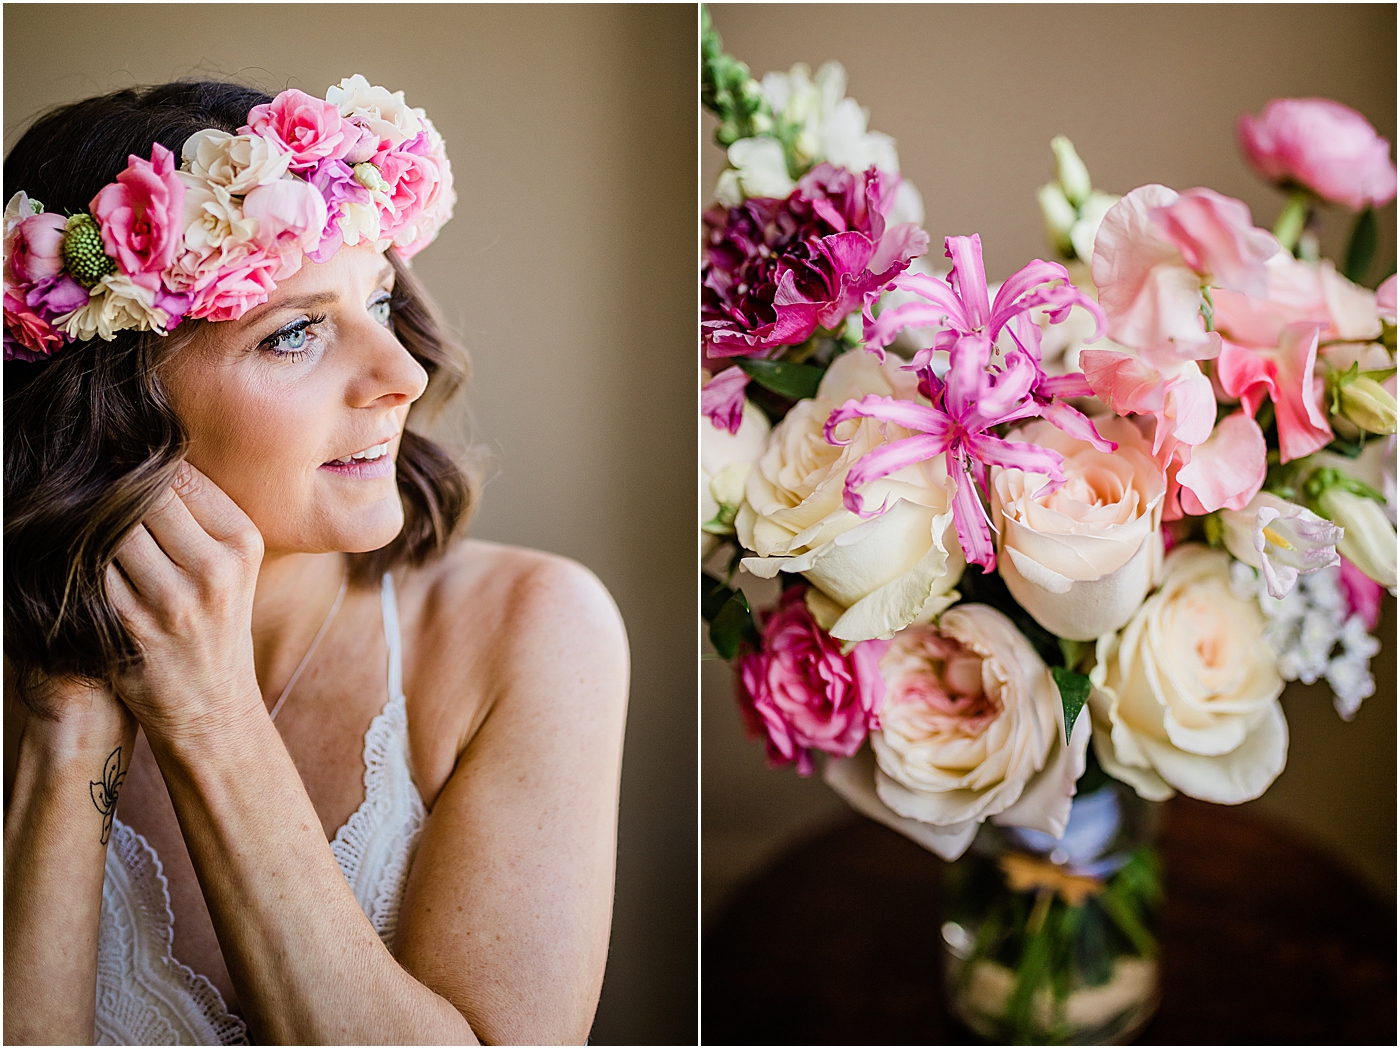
[802, 694]
[290, 215]
[972, 727]
[1081, 559]
[884, 570]
[236, 162]
[38, 248]
[225, 285]
[142, 216]
[383, 112]
[310, 129]
[1328, 147]
[725, 461]
[1186, 696]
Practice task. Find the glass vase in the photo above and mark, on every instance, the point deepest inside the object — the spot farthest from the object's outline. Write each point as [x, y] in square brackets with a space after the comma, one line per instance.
[1053, 942]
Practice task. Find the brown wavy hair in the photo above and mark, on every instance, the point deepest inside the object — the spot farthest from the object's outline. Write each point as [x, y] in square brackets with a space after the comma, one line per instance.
[90, 438]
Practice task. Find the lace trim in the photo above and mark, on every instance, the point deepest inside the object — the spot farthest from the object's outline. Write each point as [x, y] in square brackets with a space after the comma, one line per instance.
[373, 862]
[136, 968]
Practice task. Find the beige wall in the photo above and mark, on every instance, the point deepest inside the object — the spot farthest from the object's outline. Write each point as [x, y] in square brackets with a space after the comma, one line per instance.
[570, 271]
[973, 94]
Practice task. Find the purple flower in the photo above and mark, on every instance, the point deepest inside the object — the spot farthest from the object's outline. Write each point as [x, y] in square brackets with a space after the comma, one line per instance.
[777, 270]
[54, 296]
[337, 184]
[984, 387]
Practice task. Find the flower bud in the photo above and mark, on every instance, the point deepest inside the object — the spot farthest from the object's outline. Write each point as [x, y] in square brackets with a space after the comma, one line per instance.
[1369, 405]
[1059, 215]
[1369, 539]
[1280, 538]
[1071, 172]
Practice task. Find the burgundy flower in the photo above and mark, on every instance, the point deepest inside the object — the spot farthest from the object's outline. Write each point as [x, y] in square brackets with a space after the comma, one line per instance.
[777, 270]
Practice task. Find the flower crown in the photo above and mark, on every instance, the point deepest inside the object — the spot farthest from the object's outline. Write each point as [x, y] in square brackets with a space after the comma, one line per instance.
[211, 238]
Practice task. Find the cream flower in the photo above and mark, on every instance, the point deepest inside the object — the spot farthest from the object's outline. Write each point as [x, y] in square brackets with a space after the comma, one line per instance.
[1281, 538]
[235, 162]
[1186, 698]
[114, 305]
[883, 571]
[213, 216]
[972, 728]
[757, 168]
[1081, 559]
[385, 113]
[725, 461]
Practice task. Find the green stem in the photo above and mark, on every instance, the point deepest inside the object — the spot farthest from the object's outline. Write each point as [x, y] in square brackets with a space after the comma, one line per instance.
[1293, 218]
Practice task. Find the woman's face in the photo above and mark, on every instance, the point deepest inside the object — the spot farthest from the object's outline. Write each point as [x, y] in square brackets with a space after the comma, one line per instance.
[296, 408]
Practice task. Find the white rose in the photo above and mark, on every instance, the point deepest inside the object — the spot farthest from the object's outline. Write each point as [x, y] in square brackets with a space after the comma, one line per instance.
[972, 728]
[1186, 697]
[384, 113]
[725, 461]
[236, 162]
[884, 571]
[1081, 559]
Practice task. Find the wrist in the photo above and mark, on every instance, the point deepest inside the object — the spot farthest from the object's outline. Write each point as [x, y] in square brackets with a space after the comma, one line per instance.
[79, 719]
[224, 733]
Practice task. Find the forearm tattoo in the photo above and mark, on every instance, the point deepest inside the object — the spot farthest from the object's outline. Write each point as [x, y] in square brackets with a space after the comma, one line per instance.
[104, 794]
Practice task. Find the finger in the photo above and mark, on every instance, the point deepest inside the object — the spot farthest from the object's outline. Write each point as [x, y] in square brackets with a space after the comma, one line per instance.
[216, 513]
[123, 596]
[174, 528]
[146, 565]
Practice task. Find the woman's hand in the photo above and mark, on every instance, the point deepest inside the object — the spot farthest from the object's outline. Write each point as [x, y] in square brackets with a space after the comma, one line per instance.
[183, 581]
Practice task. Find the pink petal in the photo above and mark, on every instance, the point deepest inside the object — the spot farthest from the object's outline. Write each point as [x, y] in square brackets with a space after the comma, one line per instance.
[908, 414]
[1362, 593]
[722, 399]
[1227, 470]
[1031, 275]
[1189, 409]
[969, 278]
[1075, 423]
[970, 519]
[884, 461]
[1124, 382]
[1217, 238]
[898, 246]
[967, 371]
[1128, 246]
[1072, 384]
[1017, 455]
[1302, 428]
[1245, 375]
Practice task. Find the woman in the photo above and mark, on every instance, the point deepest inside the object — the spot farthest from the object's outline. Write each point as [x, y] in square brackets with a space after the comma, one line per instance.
[372, 770]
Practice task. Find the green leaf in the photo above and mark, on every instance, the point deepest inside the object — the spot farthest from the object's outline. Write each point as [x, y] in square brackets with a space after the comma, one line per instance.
[1361, 249]
[727, 612]
[798, 381]
[1074, 693]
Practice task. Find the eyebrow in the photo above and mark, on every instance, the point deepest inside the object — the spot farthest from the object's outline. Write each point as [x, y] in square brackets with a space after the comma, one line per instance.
[322, 298]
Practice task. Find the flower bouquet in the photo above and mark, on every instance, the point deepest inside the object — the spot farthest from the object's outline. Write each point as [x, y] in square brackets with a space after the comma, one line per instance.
[1048, 549]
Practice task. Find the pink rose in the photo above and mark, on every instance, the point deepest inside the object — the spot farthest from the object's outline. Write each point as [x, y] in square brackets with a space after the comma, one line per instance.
[802, 693]
[28, 337]
[413, 176]
[291, 215]
[38, 248]
[310, 129]
[142, 216]
[228, 288]
[1329, 148]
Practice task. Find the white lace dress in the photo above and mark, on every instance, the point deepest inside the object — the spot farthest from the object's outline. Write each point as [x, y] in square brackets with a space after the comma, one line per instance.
[145, 996]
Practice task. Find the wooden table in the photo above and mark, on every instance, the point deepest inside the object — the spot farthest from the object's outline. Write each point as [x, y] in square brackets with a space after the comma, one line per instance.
[1264, 941]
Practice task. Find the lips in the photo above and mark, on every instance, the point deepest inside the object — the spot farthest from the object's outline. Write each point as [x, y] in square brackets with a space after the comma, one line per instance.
[368, 455]
[374, 461]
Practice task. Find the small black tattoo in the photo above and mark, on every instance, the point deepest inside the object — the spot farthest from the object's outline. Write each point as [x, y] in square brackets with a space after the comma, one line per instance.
[104, 794]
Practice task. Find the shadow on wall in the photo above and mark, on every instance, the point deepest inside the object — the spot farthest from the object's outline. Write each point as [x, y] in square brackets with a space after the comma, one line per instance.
[570, 272]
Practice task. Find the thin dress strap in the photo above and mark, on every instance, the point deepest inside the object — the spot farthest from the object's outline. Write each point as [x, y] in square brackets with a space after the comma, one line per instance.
[390, 605]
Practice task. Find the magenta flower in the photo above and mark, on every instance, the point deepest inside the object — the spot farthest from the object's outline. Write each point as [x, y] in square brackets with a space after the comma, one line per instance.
[142, 216]
[1328, 147]
[775, 271]
[801, 694]
[983, 388]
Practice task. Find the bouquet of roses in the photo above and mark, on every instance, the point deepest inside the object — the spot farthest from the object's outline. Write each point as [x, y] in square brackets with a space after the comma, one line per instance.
[1154, 479]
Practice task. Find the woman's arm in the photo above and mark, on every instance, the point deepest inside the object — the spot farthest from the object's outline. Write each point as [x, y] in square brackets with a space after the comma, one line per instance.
[308, 966]
[67, 774]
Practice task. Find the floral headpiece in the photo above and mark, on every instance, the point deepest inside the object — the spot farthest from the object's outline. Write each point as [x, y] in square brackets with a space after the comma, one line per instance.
[210, 238]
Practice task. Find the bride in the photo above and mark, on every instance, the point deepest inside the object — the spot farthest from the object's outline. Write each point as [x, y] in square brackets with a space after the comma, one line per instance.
[293, 763]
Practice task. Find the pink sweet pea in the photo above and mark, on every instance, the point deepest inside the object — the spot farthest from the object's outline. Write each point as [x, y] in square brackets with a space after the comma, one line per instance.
[802, 694]
[142, 216]
[1226, 470]
[38, 248]
[1328, 147]
[309, 128]
[1287, 376]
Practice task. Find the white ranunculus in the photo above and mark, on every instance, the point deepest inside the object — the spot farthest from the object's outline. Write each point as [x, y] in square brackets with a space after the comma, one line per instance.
[385, 113]
[1081, 559]
[236, 162]
[1186, 696]
[725, 461]
[971, 728]
[758, 169]
[1281, 538]
[885, 570]
[114, 305]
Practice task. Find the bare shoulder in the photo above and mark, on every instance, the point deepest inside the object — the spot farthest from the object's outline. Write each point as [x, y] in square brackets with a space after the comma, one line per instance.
[497, 630]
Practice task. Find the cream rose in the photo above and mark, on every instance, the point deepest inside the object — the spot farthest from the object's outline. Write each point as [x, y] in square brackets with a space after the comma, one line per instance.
[1081, 559]
[385, 113]
[1186, 697]
[236, 162]
[884, 571]
[971, 728]
[725, 461]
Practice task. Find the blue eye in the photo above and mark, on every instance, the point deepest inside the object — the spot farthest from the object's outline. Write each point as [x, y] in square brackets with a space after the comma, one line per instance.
[379, 310]
[291, 340]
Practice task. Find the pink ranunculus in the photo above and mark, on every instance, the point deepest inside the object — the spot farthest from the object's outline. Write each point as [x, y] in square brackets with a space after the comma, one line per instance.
[28, 336]
[802, 694]
[291, 216]
[230, 287]
[1328, 147]
[142, 216]
[309, 128]
[38, 248]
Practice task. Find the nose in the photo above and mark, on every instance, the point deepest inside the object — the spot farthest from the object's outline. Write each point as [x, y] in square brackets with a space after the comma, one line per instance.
[386, 375]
